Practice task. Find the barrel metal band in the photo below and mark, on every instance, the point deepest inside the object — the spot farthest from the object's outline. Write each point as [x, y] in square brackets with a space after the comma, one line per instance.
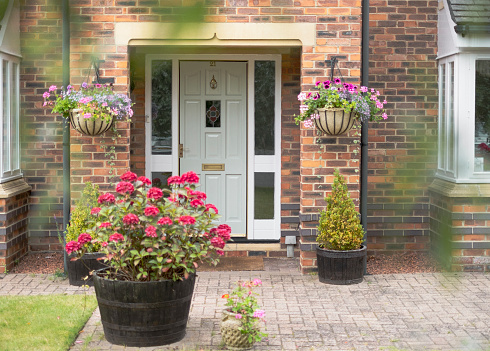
[144, 305]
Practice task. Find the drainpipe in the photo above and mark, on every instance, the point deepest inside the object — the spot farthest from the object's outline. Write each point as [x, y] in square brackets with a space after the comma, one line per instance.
[66, 125]
[364, 128]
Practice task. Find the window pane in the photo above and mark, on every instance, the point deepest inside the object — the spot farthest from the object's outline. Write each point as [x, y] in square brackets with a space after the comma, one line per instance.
[442, 116]
[264, 196]
[159, 179]
[450, 119]
[6, 117]
[14, 117]
[161, 107]
[482, 116]
[265, 83]
[213, 114]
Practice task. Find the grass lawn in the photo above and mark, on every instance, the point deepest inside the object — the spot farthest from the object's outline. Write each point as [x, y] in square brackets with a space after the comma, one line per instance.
[43, 323]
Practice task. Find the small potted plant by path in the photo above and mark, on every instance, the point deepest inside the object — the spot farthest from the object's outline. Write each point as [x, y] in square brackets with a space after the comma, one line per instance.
[340, 253]
[79, 269]
[91, 109]
[153, 241]
[240, 321]
[334, 107]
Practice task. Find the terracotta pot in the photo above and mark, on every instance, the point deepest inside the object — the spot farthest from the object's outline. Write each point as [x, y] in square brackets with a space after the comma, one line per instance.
[231, 335]
[88, 126]
[334, 121]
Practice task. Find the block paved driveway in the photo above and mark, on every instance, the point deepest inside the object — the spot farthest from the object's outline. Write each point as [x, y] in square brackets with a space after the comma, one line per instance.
[427, 311]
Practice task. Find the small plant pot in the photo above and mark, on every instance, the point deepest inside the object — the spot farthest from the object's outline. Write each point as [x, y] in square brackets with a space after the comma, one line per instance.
[231, 335]
[334, 121]
[341, 267]
[88, 126]
[81, 268]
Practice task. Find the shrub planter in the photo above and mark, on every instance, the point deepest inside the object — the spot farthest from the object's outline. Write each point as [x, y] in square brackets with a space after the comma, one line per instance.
[341, 267]
[143, 314]
[334, 121]
[88, 126]
[79, 269]
[231, 335]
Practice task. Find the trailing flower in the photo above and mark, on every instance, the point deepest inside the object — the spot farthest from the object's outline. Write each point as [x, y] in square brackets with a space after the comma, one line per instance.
[365, 102]
[242, 301]
[150, 234]
[96, 101]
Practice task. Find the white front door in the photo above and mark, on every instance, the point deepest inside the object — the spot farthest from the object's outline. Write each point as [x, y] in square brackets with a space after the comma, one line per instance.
[213, 134]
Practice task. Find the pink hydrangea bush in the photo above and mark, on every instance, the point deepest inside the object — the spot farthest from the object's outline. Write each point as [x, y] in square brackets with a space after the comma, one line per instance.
[149, 234]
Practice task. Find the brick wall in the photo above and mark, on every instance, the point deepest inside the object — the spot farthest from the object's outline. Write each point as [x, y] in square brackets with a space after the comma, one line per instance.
[14, 204]
[460, 225]
[402, 158]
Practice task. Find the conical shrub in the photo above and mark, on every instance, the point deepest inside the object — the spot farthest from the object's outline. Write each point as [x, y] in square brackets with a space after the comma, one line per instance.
[339, 227]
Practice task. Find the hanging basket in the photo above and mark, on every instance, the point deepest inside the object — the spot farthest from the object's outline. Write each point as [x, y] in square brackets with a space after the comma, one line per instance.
[334, 121]
[88, 126]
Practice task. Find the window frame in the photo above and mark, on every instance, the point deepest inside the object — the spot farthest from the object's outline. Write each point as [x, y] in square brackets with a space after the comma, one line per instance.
[11, 170]
[463, 120]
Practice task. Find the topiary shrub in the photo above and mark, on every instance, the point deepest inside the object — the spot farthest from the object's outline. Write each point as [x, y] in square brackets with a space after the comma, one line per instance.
[339, 227]
[80, 216]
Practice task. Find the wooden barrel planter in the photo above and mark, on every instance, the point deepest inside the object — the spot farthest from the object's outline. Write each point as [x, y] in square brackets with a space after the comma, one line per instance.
[81, 268]
[341, 267]
[88, 126]
[143, 314]
[334, 121]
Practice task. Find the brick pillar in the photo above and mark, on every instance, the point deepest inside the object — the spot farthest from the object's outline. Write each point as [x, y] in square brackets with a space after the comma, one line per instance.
[320, 156]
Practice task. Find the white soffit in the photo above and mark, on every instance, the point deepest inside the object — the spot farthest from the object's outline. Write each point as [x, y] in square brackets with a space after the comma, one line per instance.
[237, 34]
[10, 30]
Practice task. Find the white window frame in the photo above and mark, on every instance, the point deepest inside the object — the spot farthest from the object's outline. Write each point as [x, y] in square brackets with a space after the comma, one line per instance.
[463, 120]
[256, 229]
[9, 119]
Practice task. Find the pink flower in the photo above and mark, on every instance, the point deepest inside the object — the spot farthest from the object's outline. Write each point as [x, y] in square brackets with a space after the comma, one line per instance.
[224, 234]
[256, 282]
[144, 180]
[225, 227]
[105, 225]
[259, 314]
[84, 238]
[109, 198]
[154, 193]
[52, 88]
[151, 231]
[190, 177]
[211, 206]
[217, 242]
[151, 211]
[185, 220]
[72, 246]
[46, 95]
[97, 85]
[87, 115]
[197, 203]
[308, 123]
[220, 252]
[124, 187]
[129, 177]
[238, 316]
[116, 237]
[104, 244]
[130, 219]
[174, 180]
[364, 89]
[198, 195]
[95, 210]
[384, 115]
[165, 221]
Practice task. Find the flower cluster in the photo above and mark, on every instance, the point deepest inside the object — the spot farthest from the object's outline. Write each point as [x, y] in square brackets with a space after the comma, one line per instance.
[333, 94]
[95, 101]
[148, 234]
[242, 301]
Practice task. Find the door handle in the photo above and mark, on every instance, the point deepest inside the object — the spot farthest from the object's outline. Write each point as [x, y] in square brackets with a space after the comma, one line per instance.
[181, 150]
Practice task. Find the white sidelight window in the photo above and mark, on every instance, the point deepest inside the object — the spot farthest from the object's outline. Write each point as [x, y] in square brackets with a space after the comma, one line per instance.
[9, 117]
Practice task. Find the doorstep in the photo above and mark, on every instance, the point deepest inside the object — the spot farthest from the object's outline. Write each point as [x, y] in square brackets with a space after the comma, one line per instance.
[254, 249]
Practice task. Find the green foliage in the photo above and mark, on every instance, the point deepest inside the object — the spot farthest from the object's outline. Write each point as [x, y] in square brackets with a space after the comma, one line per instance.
[243, 302]
[80, 216]
[43, 323]
[339, 227]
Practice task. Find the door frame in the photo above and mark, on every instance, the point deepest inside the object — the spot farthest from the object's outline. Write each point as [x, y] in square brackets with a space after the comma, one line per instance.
[256, 229]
